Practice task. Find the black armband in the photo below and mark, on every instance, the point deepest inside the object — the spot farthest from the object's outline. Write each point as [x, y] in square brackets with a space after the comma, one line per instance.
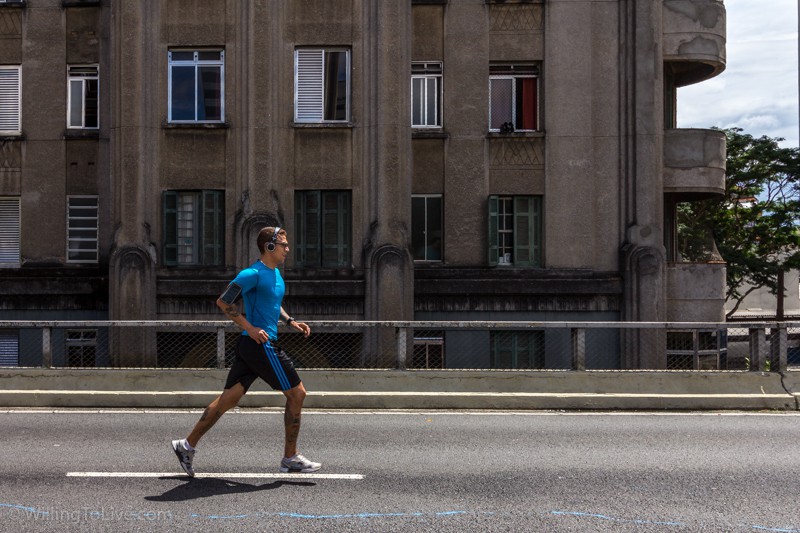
[289, 320]
[231, 294]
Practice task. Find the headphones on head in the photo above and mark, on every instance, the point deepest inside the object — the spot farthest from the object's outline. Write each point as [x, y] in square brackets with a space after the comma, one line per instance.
[271, 244]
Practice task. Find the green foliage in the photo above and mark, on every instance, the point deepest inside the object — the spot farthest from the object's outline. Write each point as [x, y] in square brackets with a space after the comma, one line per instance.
[755, 225]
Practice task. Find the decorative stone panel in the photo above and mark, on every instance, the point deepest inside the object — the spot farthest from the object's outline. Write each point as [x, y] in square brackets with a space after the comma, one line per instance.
[516, 17]
[516, 152]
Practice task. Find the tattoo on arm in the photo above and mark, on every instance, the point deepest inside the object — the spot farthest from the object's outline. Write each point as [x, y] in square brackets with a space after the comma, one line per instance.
[232, 311]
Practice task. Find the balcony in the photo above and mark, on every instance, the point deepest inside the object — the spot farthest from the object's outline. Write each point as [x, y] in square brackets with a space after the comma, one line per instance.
[694, 39]
[696, 292]
[694, 163]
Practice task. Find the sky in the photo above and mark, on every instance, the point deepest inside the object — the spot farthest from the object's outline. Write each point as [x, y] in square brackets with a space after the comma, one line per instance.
[758, 89]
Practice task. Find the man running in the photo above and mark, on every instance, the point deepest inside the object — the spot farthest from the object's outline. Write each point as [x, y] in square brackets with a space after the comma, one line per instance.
[257, 355]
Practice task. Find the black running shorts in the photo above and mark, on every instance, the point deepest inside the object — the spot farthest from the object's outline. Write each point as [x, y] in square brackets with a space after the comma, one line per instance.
[266, 361]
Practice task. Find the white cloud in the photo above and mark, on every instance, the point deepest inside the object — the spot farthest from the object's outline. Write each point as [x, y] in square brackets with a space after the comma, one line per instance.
[758, 91]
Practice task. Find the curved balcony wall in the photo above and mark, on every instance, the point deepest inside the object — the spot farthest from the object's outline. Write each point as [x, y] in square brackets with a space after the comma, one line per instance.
[696, 292]
[694, 163]
[694, 39]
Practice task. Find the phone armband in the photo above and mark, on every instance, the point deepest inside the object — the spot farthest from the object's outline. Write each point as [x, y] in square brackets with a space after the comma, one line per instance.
[231, 294]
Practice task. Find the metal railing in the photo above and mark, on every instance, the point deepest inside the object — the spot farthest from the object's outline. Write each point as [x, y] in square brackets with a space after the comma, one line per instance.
[419, 345]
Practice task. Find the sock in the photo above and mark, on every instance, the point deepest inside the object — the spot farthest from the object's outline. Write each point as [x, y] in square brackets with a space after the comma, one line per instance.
[187, 445]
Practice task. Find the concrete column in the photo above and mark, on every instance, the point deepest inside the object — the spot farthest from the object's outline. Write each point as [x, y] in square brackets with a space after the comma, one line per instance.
[643, 257]
[134, 176]
[386, 139]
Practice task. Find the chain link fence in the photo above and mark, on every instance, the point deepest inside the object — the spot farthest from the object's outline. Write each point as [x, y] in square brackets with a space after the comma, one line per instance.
[413, 345]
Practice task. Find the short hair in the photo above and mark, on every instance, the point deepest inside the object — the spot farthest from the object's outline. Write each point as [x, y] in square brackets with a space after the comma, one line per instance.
[265, 236]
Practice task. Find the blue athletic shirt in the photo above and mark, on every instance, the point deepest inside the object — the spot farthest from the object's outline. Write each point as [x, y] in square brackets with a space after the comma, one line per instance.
[262, 289]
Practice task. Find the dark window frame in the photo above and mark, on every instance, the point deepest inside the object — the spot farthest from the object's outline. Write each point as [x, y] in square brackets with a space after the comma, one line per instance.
[527, 230]
[209, 231]
[323, 229]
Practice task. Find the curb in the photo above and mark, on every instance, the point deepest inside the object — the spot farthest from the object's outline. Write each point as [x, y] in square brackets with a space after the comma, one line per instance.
[404, 400]
[394, 389]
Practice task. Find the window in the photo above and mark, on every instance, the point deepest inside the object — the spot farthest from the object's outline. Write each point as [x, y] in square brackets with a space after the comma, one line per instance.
[513, 97]
[9, 348]
[82, 97]
[426, 227]
[82, 229]
[426, 82]
[9, 231]
[696, 350]
[428, 350]
[323, 227]
[10, 88]
[322, 85]
[194, 228]
[517, 349]
[196, 86]
[81, 347]
[515, 230]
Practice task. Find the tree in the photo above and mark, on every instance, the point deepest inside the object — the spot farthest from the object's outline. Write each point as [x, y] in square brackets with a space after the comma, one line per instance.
[755, 224]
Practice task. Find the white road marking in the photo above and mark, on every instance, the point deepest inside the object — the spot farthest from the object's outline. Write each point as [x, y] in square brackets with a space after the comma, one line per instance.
[350, 412]
[249, 475]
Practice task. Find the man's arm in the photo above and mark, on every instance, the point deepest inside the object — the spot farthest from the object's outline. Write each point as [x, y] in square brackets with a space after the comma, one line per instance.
[299, 326]
[228, 303]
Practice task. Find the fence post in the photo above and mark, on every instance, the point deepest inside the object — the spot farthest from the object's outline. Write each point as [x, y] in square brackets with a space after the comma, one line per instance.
[220, 347]
[758, 349]
[402, 347]
[578, 349]
[779, 347]
[47, 347]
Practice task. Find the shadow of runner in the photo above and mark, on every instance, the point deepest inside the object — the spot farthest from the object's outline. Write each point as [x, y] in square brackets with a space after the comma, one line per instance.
[205, 487]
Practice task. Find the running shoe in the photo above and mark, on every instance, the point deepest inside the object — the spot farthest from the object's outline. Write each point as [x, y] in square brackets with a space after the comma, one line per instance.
[185, 457]
[299, 464]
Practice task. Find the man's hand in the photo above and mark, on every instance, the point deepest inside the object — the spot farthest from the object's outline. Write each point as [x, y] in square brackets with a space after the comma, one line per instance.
[302, 327]
[258, 334]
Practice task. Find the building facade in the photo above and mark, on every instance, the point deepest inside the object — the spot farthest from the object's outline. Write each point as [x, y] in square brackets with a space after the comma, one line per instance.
[430, 159]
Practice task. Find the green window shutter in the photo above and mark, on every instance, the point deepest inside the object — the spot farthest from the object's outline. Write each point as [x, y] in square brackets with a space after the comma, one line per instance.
[523, 231]
[213, 227]
[345, 221]
[307, 220]
[493, 236]
[537, 217]
[170, 246]
[336, 229]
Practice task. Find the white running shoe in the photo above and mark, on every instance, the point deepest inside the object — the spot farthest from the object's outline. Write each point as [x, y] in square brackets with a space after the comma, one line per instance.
[299, 464]
[185, 456]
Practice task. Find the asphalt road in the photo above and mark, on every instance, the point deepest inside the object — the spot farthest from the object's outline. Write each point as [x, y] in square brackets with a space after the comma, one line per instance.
[409, 471]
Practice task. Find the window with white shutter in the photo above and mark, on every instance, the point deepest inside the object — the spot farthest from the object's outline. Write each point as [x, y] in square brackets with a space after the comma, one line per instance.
[10, 101]
[322, 85]
[82, 229]
[9, 348]
[9, 232]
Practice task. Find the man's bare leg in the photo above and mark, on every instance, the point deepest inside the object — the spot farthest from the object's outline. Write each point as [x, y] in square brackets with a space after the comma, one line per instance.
[291, 418]
[228, 399]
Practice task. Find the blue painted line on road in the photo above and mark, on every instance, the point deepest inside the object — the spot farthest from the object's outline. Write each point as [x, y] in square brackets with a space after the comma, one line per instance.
[614, 518]
[306, 516]
[23, 508]
[778, 530]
